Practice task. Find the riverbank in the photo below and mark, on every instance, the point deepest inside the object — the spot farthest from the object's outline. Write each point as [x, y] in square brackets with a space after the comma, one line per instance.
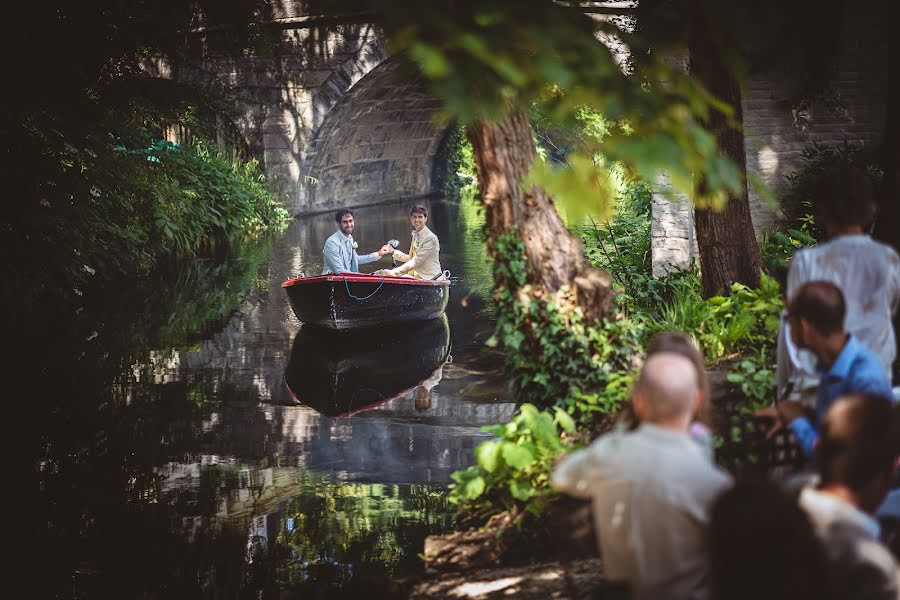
[576, 580]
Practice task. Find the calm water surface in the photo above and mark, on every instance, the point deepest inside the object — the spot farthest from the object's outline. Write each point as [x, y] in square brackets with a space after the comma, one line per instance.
[197, 441]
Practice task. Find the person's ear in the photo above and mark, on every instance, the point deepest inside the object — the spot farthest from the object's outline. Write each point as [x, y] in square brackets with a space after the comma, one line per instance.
[697, 403]
[640, 406]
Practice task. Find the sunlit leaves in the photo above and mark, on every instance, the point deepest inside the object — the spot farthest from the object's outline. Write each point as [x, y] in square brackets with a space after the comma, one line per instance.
[580, 186]
[517, 456]
[486, 57]
[514, 467]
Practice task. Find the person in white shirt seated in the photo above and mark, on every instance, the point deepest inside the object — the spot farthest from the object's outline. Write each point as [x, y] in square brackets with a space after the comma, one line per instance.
[866, 271]
[857, 456]
[651, 488]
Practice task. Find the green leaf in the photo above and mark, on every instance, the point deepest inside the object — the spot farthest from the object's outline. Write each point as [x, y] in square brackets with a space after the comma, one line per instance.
[516, 456]
[521, 490]
[565, 421]
[488, 455]
[472, 488]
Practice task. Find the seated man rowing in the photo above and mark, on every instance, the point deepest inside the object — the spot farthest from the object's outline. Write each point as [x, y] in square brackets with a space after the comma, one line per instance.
[422, 261]
[340, 250]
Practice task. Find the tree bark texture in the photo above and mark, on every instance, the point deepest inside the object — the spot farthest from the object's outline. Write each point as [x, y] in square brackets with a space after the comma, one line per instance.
[504, 151]
[726, 240]
[887, 228]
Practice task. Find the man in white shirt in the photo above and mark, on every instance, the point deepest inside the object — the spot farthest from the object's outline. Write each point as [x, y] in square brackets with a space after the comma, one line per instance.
[866, 271]
[651, 488]
[857, 453]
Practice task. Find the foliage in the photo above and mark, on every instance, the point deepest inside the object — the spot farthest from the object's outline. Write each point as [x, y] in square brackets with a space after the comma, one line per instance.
[456, 164]
[552, 356]
[513, 470]
[798, 202]
[93, 212]
[340, 525]
[724, 326]
[622, 245]
[778, 247]
[199, 195]
[488, 58]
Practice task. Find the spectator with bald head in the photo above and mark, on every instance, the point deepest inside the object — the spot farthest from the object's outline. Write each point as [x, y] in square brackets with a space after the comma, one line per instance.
[652, 487]
[856, 459]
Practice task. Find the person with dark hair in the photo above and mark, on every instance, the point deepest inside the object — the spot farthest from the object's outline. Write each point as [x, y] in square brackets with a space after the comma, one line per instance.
[681, 343]
[816, 316]
[340, 250]
[651, 488]
[762, 545]
[868, 273]
[856, 460]
[423, 260]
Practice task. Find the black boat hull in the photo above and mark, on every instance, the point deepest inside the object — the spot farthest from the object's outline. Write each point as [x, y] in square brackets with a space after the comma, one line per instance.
[353, 301]
[341, 373]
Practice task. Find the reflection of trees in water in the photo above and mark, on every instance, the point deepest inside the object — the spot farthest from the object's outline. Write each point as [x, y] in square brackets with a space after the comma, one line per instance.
[105, 437]
[95, 437]
[332, 530]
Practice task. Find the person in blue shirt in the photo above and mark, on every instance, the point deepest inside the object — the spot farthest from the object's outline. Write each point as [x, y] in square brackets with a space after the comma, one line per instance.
[339, 253]
[845, 365]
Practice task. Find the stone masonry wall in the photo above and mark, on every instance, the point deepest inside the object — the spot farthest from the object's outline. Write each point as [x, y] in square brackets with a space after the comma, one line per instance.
[284, 97]
[378, 144]
[776, 131]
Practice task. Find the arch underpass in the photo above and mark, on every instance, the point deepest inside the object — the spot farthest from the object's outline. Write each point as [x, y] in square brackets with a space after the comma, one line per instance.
[380, 142]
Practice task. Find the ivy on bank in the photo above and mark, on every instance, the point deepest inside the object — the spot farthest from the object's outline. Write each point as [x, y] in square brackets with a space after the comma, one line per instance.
[552, 356]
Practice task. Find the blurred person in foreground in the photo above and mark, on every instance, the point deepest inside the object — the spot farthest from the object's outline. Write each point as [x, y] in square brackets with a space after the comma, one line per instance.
[762, 545]
[856, 461]
[652, 487]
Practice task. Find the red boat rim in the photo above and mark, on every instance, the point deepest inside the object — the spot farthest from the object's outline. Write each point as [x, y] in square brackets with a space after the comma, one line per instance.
[361, 278]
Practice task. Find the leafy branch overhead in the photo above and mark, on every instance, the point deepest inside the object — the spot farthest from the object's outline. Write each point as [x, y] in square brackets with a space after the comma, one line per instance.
[486, 58]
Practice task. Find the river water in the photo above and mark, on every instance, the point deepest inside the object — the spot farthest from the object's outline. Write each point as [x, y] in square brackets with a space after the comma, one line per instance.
[198, 441]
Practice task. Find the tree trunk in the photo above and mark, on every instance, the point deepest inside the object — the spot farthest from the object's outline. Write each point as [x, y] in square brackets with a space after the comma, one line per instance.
[504, 151]
[887, 228]
[726, 239]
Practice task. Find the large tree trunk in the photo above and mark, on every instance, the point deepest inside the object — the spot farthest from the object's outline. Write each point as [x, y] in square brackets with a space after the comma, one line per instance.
[887, 228]
[504, 151]
[726, 239]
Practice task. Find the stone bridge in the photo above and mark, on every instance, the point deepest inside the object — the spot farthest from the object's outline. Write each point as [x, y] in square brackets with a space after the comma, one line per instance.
[337, 121]
[334, 119]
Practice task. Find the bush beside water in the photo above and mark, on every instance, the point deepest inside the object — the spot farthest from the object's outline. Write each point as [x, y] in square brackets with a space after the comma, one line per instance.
[92, 207]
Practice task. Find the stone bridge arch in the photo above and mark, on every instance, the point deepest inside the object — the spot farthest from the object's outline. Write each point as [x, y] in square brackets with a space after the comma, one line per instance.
[379, 143]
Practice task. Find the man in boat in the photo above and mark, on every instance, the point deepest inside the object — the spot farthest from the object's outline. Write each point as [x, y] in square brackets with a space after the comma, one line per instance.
[340, 250]
[422, 262]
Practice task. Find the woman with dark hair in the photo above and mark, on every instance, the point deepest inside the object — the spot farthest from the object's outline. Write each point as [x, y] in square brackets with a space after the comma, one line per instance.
[762, 545]
[683, 344]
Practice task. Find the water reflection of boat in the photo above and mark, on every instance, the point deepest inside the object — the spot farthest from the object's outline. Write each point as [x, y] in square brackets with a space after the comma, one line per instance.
[350, 301]
[341, 373]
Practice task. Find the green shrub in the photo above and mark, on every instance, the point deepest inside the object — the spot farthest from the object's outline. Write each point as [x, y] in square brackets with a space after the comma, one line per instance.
[201, 195]
[512, 472]
[552, 356]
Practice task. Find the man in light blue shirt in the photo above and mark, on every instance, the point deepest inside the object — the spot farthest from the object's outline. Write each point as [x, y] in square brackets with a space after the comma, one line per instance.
[339, 253]
[846, 366]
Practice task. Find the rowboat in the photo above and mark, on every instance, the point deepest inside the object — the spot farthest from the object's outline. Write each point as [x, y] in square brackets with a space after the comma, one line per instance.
[339, 374]
[355, 300]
